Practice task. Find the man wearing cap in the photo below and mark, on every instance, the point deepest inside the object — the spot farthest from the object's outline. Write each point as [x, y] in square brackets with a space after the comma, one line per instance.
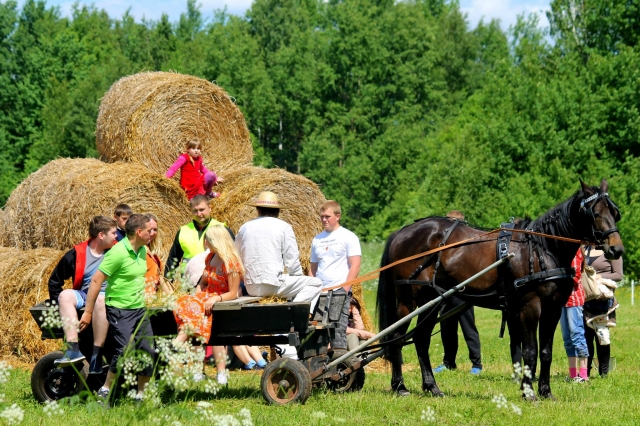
[335, 259]
[267, 246]
[189, 240]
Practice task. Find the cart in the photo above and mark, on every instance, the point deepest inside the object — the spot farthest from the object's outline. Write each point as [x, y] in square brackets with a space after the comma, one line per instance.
[244, 321]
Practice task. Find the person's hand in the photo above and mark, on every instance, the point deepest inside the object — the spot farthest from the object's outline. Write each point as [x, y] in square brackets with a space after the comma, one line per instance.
[208, 305]
[84, 321]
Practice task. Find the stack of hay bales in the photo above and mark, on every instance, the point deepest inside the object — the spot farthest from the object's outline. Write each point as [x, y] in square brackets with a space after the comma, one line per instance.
[53, 206]
[23, 283]
[144, 123]
[149, 117]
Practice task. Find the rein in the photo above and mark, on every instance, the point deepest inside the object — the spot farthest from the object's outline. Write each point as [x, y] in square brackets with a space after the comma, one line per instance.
[373, 274]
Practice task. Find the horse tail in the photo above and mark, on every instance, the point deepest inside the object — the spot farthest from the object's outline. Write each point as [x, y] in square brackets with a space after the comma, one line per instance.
[386, 297]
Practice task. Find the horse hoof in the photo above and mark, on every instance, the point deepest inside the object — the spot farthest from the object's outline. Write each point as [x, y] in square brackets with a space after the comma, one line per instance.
[401, 390]
[438, 394]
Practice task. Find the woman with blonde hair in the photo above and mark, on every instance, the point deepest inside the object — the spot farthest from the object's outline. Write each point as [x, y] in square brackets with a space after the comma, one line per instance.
[220, 282]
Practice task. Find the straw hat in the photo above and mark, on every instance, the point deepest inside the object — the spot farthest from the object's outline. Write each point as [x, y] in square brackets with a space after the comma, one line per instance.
[267, 199]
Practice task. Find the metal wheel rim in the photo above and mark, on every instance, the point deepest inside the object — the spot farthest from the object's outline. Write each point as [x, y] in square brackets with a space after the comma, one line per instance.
[59, 382]
[346, 382]
[277, 391]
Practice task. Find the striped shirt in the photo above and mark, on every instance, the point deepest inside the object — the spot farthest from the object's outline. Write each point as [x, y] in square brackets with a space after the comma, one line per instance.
[577, 295]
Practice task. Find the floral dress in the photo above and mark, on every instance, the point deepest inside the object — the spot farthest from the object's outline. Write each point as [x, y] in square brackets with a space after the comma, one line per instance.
[190, 313]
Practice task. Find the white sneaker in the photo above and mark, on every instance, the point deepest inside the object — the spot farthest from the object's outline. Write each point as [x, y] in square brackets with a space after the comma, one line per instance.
[223, 379]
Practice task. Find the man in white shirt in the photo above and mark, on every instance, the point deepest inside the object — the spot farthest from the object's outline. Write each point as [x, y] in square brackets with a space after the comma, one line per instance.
[267, 246]
[335, 259]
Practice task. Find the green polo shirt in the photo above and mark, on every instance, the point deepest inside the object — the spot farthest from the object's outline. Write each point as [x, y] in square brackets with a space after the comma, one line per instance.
[125, 270]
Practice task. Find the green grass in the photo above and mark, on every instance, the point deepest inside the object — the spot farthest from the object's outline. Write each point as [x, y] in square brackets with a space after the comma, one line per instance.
[611, 401]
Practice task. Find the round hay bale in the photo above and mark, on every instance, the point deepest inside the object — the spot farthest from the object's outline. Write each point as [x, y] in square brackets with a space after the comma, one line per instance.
[303, 197]
[23, 283]
[52, 206]
[149, 117]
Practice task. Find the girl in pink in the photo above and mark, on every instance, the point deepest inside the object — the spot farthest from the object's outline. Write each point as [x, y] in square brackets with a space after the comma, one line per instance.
[194, 177]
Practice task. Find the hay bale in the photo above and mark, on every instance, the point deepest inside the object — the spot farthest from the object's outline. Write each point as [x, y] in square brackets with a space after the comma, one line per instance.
[23, 283]
[52, 206]
[243, 185]
[149, 117]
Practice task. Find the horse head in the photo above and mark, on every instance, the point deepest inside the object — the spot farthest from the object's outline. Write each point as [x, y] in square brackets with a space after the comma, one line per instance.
[600, 214]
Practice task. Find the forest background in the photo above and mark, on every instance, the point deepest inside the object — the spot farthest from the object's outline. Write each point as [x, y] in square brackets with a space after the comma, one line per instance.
[398, 110]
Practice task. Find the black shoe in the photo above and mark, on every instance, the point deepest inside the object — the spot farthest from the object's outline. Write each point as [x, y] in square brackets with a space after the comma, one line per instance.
[69, 358]
[95, 365]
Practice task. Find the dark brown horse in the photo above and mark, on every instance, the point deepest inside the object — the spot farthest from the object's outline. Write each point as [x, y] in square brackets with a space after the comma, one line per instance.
[531, 289]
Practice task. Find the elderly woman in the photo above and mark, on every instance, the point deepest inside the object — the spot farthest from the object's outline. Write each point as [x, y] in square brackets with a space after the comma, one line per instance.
[220, 282]
[599, 313]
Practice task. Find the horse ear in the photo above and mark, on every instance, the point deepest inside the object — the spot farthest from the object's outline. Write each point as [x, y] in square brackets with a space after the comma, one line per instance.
[585, 188]
[604, 185]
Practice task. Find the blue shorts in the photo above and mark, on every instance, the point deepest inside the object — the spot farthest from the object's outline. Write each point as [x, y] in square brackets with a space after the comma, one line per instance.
[81, 298]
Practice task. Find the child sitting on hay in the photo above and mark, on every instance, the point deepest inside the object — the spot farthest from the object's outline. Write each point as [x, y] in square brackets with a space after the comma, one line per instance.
[195, 178]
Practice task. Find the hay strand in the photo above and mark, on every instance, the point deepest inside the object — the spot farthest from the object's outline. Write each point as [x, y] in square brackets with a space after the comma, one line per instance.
[302, 197]
[53, 206]
[149, 117]
[23, 283]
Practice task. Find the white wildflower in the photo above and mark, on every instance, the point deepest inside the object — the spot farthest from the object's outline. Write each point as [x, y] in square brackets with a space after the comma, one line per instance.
[428, 415]
[51, 318]
[339, 420]
[527, 372]
[5, 370]
[181, 363]
[528, 391]
[245, 417]
[516, 409]
[51, 408]
[318, 415]
[12, 415]
[500, 401]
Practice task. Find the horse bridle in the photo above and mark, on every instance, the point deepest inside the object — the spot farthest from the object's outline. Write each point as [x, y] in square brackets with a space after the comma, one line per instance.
[585, 208]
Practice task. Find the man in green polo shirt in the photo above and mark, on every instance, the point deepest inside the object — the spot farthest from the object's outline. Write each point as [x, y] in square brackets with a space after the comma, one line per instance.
[189, 240]
[124, 267]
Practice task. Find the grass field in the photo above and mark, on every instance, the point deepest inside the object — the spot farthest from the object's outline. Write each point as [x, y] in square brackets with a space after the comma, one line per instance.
[470, 399]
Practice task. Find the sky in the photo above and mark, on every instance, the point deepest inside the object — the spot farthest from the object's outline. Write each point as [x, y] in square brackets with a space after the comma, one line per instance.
[505, 10]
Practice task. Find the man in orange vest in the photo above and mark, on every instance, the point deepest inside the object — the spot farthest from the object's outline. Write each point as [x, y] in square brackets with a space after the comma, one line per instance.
[79, 264]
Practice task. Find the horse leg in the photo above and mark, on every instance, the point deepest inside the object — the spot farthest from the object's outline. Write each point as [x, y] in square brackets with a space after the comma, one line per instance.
[422, 339]
[515, 340]
[548, 323]
[395, 357]
[529, 319]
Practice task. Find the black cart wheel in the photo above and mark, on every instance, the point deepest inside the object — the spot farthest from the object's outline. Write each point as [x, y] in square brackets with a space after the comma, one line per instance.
[285, 381]
[51, 383]
[352, 382]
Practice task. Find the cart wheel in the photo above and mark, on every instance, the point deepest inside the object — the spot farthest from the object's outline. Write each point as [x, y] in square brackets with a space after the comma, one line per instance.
[284, 381]
[51, 383]
[352, 382]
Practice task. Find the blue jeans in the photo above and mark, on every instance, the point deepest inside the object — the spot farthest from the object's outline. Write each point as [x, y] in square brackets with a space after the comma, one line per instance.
[572, 325]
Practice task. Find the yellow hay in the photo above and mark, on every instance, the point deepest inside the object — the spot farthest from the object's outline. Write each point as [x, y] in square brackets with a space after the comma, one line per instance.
[149, 117]
[53, 206]
[23, 283]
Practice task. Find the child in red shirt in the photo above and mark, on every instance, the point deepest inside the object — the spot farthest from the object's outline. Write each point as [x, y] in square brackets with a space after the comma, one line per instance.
[194, 177]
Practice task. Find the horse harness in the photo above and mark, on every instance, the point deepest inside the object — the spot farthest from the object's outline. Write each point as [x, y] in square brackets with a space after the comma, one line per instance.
[502, 250]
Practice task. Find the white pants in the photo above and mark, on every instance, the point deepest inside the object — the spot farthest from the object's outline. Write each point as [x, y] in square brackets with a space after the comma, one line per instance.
[300, 287]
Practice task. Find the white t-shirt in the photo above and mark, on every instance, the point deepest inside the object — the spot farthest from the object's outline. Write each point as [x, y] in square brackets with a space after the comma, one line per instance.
[330, 250]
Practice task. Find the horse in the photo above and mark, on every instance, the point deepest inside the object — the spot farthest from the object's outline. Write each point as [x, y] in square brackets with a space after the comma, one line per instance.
[531, 288]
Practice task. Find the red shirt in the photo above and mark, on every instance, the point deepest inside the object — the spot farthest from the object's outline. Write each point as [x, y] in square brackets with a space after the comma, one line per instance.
[577, 295]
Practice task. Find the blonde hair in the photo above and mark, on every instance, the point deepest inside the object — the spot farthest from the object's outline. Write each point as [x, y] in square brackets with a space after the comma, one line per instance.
[153, 244]
[220, 241]
[331, 205]
[194, 143]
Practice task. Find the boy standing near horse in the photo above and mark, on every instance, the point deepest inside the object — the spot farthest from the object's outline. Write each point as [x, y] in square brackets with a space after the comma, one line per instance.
[335, 259]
